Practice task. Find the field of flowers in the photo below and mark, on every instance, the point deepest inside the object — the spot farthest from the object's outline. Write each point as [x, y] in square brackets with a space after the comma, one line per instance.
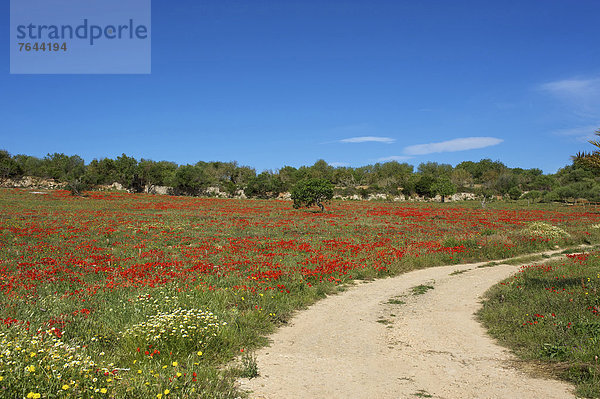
[122, 295]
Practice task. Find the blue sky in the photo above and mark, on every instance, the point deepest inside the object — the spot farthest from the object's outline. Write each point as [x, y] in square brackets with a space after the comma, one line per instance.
[354, 82]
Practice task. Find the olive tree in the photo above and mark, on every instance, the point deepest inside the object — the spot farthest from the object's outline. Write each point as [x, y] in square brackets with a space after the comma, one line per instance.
[444, 187]
[312, 191]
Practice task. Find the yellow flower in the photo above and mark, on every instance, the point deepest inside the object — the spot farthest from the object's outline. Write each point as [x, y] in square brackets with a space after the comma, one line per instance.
[103, 390]
[32, 354]
[1, 378]
[179, 374]
[139, 371]
[175, 364]
[31, 369]
[199, 353]
[159, 395]
[167, 391]
[65, 387]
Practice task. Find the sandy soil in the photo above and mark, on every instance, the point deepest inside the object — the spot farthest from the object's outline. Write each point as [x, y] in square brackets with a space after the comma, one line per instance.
[358, 345]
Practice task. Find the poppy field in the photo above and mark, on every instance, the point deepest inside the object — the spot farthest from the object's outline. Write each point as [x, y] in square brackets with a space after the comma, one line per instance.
[119, 295]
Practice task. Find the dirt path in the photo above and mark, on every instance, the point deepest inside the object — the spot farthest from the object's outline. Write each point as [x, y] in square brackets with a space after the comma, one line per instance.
[358, 345]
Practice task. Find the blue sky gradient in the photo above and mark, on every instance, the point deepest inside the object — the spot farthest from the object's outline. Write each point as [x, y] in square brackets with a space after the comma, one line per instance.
[274, 83]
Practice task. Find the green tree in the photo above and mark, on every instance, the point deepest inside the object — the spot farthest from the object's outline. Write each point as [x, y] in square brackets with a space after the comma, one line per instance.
[287, 176]
[153, 173]
[424, 185]
[8, 166]
[321, 170]
[62, 167]
[590, 159]
[461, 178]
[479, 169]
[190, 180]
[101, 172]
[265, 185]
[312, 191]
[515, 193]
[127, 172]
[435, 169]
[29, 166]
[444, 187]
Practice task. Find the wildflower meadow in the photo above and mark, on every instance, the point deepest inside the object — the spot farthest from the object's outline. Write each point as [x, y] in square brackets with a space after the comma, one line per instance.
[118, 295]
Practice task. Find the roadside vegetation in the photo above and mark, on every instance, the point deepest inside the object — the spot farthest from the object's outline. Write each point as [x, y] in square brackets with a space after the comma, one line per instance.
[549, 315]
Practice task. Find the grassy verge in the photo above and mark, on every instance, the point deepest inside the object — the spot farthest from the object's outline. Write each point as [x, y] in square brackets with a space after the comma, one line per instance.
[550, 313]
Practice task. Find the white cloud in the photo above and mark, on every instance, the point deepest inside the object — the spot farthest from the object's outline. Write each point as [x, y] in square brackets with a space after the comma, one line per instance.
[394, 158]
[338, 164]
[582, 133]
[467, 143]
[573, 87]
[368, 139]
[580, 96]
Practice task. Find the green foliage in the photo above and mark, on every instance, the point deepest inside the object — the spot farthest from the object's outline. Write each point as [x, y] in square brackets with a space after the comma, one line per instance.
[515, 193]
[444, 187]
[461, 178]
[424, 186]
[310, 192]
[485, 177]
[479, 169]
[590, 160]
[549, 313]
[249, 367]
[264, 185]
[421, 289]
[62, 167]
[190, 180]
[8, 166]
[126, 171]
[435, 169]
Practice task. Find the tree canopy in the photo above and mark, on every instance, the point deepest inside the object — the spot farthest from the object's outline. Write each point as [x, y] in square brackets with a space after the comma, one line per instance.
[590, 159]
[312, 191]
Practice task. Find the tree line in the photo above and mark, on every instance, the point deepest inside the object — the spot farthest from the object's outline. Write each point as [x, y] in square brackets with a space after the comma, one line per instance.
[485, 177]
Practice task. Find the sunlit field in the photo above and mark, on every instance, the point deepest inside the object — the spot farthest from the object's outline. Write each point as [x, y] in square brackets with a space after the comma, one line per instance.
[123, 295]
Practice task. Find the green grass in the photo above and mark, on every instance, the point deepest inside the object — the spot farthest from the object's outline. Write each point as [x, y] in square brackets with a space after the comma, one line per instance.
[421, 289]
[63, 255]
[549, 313]
[421, 393]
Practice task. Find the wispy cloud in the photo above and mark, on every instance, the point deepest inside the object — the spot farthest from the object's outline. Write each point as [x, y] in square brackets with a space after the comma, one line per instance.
[338, 164]
[394, 158]
[581, 133]
[463, 144]
[573, 87]
[580, 96]
[369, 139]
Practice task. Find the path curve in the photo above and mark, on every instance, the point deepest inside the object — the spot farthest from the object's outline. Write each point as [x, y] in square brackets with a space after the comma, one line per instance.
[431, 345]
